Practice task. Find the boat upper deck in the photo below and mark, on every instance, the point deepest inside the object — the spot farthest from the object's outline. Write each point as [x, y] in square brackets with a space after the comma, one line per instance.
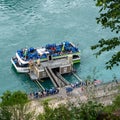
[60, 50]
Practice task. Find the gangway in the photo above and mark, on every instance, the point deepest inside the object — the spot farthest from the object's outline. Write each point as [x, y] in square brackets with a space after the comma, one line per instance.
[77, 76]
[51, 77]
[35, 81]
[62, 79]
[40, 85]
[59, 81]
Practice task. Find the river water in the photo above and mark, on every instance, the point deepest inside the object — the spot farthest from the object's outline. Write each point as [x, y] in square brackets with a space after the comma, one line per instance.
[34, 23]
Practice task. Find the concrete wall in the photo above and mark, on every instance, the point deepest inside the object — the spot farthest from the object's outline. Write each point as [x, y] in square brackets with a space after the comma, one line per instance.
[65, 69]
[42, 74]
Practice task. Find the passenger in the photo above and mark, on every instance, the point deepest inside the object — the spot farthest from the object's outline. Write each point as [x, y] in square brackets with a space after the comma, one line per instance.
[25, 53]
[47, 92]
[56, 90]
[72, 85]
[44, 93]
[116, 81]
[53, 48]
[51, 91]
[61, 53]
[77, 84]
[36, 95]
[39, 94]
[32, 95]
[70, 52]
[82, 83]
[82, 88]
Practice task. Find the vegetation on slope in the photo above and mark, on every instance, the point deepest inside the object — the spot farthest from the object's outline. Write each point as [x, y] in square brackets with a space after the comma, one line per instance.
[14, 107]
[109, 18]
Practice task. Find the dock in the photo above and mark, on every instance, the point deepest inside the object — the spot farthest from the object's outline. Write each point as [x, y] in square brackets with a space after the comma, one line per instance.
[52, 69]
[52, 77]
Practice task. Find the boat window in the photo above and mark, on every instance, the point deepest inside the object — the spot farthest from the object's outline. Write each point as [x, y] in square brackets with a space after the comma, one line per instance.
[75, 56]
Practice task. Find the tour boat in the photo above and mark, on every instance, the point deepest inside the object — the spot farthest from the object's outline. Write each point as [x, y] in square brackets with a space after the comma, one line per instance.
[50, 52]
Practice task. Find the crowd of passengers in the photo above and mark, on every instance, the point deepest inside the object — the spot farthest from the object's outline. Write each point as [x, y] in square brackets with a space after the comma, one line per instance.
[52, 91]
[43, 93]
[55, 50]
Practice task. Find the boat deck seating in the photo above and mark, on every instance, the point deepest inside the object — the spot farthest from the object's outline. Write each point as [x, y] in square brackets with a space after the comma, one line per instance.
[53, 49]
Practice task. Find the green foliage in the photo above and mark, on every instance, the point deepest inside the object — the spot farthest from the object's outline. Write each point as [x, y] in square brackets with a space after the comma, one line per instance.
[109, 18]
[14, 106]
[116, 103]
[86, 111]
[5, 114]
[10, 99]
[90, 110]
[110, 110]
[109, 14]
[114, 106]
[60, 113]
[83, 111]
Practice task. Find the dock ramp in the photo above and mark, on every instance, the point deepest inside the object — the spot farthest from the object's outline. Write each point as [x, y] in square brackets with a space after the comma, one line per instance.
[57, 81]
[52, 76]
[62, 79]
[77, 76]
[39, 85]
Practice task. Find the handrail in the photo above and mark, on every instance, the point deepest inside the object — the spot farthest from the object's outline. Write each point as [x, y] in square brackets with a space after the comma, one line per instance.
[63, 79]
[77, 77]
[51, 77]
[40, 85]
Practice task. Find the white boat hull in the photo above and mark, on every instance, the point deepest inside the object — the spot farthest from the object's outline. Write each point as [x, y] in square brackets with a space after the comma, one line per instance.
[20, 69]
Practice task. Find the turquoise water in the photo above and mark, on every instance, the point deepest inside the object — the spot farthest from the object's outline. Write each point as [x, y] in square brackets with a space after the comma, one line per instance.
[33, 23]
